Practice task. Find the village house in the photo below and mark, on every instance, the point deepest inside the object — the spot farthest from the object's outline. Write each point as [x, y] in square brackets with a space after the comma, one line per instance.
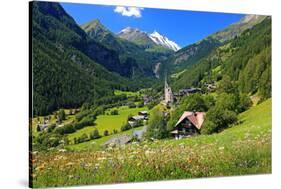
[189, 91]
[144, 113]
[135, 119]
[210, 86]
[142, 116]
[190, 123]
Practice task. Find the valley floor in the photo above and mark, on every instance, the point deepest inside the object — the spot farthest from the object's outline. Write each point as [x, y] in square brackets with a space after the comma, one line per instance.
[244, 148]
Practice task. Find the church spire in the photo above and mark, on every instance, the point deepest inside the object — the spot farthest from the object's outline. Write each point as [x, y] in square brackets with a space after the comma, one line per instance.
[168, 94]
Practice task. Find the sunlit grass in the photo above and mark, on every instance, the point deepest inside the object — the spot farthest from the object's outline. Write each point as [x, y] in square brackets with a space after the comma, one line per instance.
[242, 149]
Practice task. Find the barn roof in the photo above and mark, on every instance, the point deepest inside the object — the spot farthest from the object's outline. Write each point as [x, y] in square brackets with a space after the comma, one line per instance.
[196, 118]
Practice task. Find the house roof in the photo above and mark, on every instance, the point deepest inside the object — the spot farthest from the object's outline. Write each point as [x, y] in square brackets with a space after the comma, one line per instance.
[138, 117]
[143, 112]
[196, 118]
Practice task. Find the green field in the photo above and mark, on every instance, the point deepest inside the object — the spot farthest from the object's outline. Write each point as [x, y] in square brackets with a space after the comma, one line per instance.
[245, 148]
[108, 122]
[127, 93]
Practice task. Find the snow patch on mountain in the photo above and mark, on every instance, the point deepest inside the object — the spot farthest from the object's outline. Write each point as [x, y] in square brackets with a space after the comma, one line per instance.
[163, 41]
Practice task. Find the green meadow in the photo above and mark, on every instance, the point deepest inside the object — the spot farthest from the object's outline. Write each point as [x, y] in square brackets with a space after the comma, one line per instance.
[108, 122]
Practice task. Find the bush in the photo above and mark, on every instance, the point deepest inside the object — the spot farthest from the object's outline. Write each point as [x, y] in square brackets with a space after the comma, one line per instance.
[132, 105]
[95, 134]
[82, 114]
[218, 119]
[157, 125]
[51, 128]
[98, 111]
[126, 127]
[61, 115]
[244, 103]
[83, 138]
[86, 121]
[208, 128]
[106, 133]
[194, 102]
[114, 112]
[140, 104]
[151, 105]
[48, 140]
[69, 128]
[228, 101]
[114, 131]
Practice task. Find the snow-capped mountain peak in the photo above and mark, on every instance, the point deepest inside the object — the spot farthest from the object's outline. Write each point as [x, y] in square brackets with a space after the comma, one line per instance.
[163, 41]
[128, 30]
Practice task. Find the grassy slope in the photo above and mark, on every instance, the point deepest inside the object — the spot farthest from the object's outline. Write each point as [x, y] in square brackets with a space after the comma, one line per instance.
[69, 118]
[97, 144]
[242, 149]
[127, 93]
[254, 124]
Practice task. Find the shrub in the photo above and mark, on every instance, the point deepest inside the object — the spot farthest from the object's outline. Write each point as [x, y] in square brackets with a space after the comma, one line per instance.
[69, 128]
[86, 121]
[114, 131]
[106, 133]
[157, 125]
[151, 105]
[218, 119]
[228, 101]
[82, 114]
[126, 127]
[38, 128]
[208, 128]
[132, 105]
[114, 112]
[194, 102]
[244, 103]
[61, 115]
[83, 138]
[48, 140]
[140, 104]
[51, 128]
[95, 134]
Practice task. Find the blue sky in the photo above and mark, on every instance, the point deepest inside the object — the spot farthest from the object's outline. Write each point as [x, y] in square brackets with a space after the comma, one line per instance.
[183, 27]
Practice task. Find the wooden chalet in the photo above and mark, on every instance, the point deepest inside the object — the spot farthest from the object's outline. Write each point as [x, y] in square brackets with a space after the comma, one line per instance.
[190, 123]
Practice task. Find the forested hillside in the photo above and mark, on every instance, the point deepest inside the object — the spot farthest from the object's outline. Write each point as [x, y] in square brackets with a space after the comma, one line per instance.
[244, 60]
[67, 65]
[143, 60]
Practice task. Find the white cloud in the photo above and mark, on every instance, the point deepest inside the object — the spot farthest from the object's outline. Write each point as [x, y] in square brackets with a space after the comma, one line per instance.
[129, 11]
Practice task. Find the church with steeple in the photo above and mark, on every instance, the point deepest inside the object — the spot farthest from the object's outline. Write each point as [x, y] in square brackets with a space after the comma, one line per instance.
[168, 94]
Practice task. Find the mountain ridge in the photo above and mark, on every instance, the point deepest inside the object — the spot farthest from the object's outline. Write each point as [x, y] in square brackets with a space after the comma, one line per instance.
[148, 39]
[143, 59]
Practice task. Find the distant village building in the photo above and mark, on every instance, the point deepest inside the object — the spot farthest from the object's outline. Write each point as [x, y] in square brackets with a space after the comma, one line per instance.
[168, 94]
[210, 86]
[146, 99]
[190, 123]
[189, 91]
[42, 126]
[142, 115]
